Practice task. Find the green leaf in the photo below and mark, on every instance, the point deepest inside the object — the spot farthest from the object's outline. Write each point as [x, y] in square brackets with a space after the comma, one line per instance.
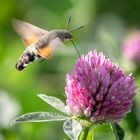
[53, 101]
[118, 131]
[103, 132]
[72, 128]
[39, 117]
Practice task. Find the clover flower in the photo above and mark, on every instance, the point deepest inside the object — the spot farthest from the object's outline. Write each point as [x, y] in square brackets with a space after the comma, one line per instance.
[131, 48]
[98, 89]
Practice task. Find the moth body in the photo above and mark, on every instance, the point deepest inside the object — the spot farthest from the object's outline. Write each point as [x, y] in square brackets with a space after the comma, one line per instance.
[40, 43]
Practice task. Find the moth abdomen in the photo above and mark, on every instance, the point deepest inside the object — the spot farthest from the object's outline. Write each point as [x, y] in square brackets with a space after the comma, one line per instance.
[27, 57]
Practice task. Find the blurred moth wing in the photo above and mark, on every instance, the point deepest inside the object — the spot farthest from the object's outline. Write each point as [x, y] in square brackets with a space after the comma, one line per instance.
[29, 33]
[33, 38]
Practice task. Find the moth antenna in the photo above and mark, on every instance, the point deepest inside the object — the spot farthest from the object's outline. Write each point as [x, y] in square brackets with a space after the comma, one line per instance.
[69, 20]
[77, 28]
[76, 48]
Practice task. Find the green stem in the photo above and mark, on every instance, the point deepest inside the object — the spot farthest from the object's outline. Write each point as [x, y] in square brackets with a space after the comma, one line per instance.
[87, 134]
[91, 134]
[84, 134]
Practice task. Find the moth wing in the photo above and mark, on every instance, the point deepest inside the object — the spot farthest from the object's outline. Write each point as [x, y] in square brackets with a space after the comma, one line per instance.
[28, 32]
[48, 50]
[45, 52]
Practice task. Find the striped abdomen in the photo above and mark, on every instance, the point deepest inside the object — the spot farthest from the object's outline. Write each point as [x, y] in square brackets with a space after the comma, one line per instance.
[28, 56]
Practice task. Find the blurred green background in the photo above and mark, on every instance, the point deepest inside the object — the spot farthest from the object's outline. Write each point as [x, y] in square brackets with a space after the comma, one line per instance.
[106, 25]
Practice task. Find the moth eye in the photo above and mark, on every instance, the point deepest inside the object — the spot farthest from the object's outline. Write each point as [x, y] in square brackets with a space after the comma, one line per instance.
[66, 36]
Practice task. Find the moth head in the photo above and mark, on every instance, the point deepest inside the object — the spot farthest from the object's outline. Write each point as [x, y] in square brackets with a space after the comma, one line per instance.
[67, 35]
[63, 35]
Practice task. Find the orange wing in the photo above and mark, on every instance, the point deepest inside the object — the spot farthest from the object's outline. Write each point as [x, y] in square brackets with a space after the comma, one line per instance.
[28, 32]
[45, 52]
[30, 41]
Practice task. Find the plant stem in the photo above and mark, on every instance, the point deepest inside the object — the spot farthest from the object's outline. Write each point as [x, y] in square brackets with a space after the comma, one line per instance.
[84, 133]
[91, 134]
[87, 134]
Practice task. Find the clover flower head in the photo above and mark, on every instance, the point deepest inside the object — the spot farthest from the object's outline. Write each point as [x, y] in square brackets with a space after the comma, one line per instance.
[98, 89]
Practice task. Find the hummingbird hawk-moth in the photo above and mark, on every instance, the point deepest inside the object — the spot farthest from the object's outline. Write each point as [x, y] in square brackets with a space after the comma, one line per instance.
[39, 43]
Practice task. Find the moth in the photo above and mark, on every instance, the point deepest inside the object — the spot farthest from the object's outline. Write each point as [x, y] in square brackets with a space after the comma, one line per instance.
[39, 43]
